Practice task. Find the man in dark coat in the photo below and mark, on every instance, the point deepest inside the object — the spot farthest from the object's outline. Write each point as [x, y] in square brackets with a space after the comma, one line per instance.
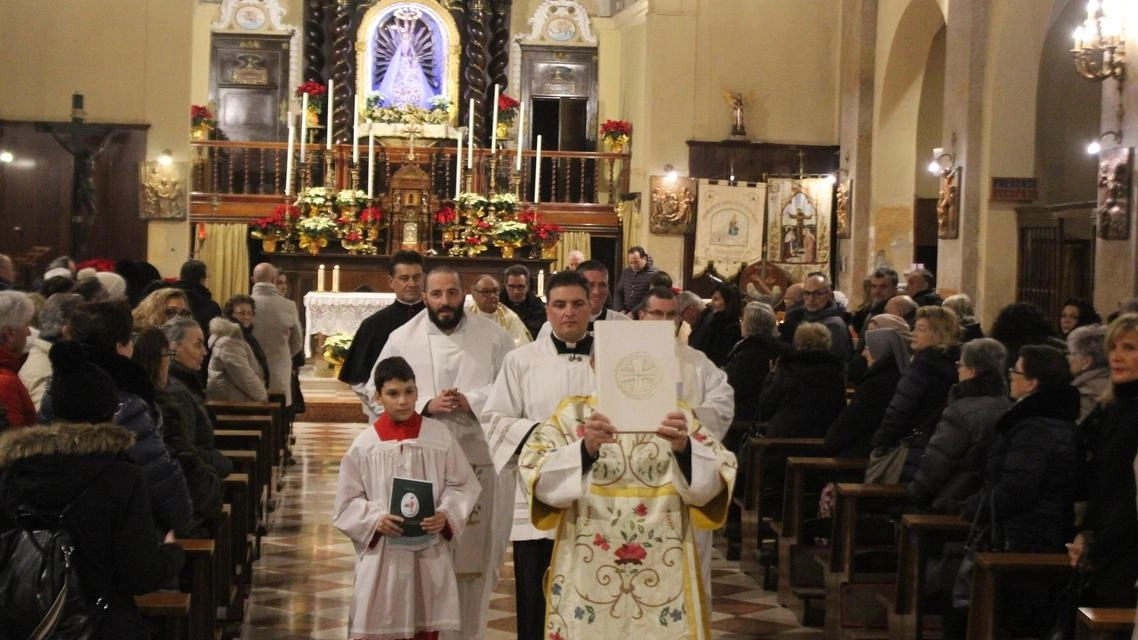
[518, 298]
[191, 280]
[921, 287]
[405, 276]
[634, 280]
[750, 360]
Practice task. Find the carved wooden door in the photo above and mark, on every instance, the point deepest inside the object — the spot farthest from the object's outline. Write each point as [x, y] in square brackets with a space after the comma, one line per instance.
[249, 86]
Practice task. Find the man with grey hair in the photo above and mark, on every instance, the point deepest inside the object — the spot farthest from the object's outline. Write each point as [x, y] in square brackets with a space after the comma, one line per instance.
[16, 311]
[7, 273]
[574, 259]
[485, 303]
[277, 329]
[54, 316]
[750, 359]
[691, 309]
[921, 287]
[1089, 365]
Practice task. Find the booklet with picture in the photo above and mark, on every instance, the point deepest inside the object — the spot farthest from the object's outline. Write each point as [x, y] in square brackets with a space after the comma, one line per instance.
[413, 500]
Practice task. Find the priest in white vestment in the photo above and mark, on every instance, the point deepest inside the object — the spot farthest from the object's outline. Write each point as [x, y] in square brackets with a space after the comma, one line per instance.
[484, 303]
[597, 275]
[456, 359]
[624, 506]
[400, 593]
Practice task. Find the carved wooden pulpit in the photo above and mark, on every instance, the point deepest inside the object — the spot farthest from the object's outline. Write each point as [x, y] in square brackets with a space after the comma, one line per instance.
[410, 203]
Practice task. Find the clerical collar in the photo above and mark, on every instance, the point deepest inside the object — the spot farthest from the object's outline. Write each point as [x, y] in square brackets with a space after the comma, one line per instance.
[583, 347]
[389, 429]
[410, 304]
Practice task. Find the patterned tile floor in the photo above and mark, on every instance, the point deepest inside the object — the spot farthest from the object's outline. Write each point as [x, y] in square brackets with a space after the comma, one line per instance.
[303, 582]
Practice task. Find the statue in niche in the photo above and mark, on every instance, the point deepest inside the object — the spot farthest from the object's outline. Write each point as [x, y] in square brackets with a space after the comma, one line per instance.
[1112, 214]
[407, 72]
[947, 206]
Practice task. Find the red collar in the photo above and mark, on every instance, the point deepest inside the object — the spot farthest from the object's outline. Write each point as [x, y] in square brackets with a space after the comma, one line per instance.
[389, 429]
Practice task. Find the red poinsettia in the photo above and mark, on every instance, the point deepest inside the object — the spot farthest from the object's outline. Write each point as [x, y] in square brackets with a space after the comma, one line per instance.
[283, 210]
[613, 129]
[473, 240]
[506, 103]
[445, 216]
[630, 553]
[200, 115]
[546, 232]
[353, 236]
[528, 216]
[313, 89]
[482, 224]
[371, 214]
[98, 264]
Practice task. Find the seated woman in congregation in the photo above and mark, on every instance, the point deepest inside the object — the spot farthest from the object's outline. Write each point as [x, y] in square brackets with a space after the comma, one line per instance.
[953, 462]
[806, 389]
[1076, 313]
[160, 306]
[1031, 478]
[234, 373]
[188, 347]
[722, 331]
[242, 309]
[923, 389]
[970, 328]
[887, 353]
[1107, 545]
[1087, 358]
[750, 360]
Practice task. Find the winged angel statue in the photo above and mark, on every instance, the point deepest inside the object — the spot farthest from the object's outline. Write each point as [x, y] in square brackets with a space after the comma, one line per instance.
[736, 100]
[405, 62]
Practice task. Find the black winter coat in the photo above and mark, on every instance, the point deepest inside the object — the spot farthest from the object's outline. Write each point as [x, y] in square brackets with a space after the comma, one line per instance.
[920, 397]
[952, 466]
[185, 388]
[202, 304]
[201, 478]
[849, 435]
[1112, 442]
[1034, 469]
[717, 337]
[803, 395]
[531, 311]
[747, 367]
[170, 502]
[117, 553]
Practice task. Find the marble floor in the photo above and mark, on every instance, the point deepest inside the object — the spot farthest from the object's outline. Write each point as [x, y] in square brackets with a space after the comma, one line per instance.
[303, 581]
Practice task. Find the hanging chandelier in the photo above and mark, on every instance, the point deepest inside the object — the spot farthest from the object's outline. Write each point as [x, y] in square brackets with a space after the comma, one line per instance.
[1100, 40]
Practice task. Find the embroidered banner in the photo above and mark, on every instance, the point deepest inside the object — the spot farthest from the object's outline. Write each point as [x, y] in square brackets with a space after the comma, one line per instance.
[799, 215]
[729, 226]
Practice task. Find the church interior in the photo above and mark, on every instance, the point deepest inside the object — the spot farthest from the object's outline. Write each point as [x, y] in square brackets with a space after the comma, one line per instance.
[748, 141]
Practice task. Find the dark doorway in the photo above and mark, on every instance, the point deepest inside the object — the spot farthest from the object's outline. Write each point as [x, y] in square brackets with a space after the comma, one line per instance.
[924, 233]
[562, 124]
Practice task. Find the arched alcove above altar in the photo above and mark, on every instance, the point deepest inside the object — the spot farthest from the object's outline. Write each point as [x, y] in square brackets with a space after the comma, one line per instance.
[408, 51]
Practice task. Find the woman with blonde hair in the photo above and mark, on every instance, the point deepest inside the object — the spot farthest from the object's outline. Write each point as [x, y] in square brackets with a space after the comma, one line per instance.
[923, 389]
[159, 307]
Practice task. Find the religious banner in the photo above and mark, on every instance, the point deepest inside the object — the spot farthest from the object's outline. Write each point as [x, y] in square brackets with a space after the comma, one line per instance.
[799, 215]
[729, 227]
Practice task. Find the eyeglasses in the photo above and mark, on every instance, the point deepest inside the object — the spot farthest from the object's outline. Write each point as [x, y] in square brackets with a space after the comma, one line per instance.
[488, 292]
[172, 312]
[816, 294]
[1016, 372]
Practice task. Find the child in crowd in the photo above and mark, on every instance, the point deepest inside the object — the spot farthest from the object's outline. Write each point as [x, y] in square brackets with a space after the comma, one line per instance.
[400, 592]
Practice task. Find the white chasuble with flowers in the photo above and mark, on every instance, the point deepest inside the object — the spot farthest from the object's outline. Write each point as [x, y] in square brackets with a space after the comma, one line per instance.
[625, 562]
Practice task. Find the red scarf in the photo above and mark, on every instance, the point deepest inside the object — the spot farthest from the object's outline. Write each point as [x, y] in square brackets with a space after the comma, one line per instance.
[389, 429]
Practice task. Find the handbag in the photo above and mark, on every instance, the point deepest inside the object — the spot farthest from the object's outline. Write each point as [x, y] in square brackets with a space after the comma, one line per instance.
[979, 539]
[885, 468]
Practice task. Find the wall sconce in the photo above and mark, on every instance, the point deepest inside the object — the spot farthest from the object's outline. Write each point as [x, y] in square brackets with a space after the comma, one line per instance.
[1100, 40]
[942, 163]
[6, 157]
[670, 173]
[1095, 145]
[166, 158]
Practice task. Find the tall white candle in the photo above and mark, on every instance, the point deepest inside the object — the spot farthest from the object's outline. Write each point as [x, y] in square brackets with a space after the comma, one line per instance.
[320, 278]
[521, 127]
[303, 124]
[370, 161]
[288, 157]
[458, 167]
[470, 131]
[541, 284]
[331, 99]
[537, 173]
[336, 279]
[494, 125]
[356, 133]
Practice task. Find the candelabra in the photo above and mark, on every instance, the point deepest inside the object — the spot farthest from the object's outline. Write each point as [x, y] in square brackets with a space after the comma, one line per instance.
[354, 174]
[329, 170]
[1100, 42]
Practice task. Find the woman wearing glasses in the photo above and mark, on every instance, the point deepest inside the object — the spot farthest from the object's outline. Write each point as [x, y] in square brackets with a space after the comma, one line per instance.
[159, 307]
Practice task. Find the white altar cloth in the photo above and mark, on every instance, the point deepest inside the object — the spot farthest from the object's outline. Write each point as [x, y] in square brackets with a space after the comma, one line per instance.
[327, 312]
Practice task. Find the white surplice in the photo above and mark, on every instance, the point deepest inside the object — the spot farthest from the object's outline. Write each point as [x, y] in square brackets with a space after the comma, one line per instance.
[625, 563]
[468, 359]
[398, 592]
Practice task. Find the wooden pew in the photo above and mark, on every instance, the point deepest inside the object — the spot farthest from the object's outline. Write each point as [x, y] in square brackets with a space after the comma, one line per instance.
[172, 611]
[752, 509]
[804, 477]
[851, 502]
[241, 523]
[250, 433]
[274, 410]
[245, 462]
[919, 534]
[990, 571]
[199, 568]
[1104, 624]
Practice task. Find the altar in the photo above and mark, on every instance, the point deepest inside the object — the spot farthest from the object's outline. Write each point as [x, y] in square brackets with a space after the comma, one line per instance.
[329, 312]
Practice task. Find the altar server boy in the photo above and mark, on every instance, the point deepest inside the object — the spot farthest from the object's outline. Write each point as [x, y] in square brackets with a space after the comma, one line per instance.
[401, 593]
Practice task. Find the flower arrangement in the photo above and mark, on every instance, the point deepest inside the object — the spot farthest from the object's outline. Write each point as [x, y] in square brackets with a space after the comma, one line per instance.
[505, 203]
[201, 116]
[510, 232]
[316, 199]
[445, 216]
[371, 215]
[379, 109]
[98, 264]
[317, 227]
[312, 89]
[471, 245]
[468, 201]
[545, 233]
[616, 130]
[275, 226]
[336, 347]
[351, 199]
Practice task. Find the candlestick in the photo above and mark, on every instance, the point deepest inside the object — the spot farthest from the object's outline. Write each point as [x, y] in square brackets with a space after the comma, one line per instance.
[336, 279]
[76, 107]
[320, 278]
[370, 161]
[521, 128]
[458, 166]
[288, 157]
[494, 124]
[541, 284]
[331, 99]
[470, 131]
[356, 132]
[303, 124]
[537, 173]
